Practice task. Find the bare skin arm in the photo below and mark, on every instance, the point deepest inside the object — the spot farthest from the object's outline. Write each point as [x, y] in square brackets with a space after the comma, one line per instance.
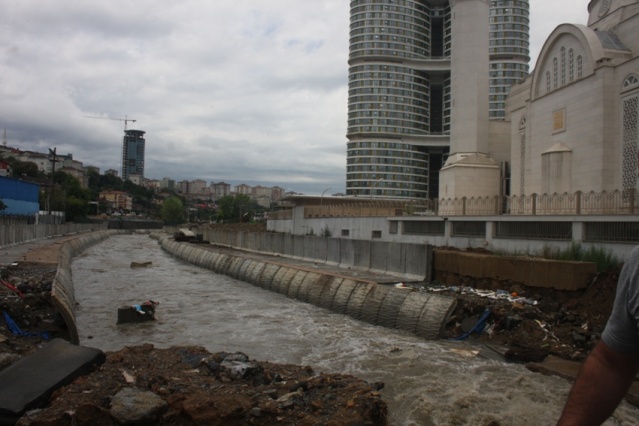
[602, 382]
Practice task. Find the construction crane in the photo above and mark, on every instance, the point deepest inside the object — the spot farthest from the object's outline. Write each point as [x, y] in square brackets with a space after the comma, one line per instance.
[126, 119]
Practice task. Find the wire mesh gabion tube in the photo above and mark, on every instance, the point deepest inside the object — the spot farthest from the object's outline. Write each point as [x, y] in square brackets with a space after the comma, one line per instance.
[420, 313]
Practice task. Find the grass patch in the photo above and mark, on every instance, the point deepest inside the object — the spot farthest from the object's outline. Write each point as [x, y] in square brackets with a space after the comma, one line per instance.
[603, 258]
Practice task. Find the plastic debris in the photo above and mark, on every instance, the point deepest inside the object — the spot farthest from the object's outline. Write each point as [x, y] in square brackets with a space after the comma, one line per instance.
[15, 329]
[495, 295]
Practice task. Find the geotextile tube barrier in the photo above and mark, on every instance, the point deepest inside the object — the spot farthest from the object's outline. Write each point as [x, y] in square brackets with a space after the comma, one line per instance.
[62, 291]
[423, 314]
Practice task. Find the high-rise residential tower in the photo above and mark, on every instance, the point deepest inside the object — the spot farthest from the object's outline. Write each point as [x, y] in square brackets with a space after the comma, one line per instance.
[418, 78]
[133, 154]
[509, 50]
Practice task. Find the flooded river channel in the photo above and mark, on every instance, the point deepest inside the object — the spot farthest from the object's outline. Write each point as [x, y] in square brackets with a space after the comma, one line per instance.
[427, 383]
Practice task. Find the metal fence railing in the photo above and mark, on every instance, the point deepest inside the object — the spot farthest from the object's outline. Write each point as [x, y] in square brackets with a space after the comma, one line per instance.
[614, 202]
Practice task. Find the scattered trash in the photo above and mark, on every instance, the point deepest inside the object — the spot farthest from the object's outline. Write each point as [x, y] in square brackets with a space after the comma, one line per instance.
[478, 328]
[546, 328]
[137, 313]
[128, 377]
[403, 286]
[12, 288]
[495, 295]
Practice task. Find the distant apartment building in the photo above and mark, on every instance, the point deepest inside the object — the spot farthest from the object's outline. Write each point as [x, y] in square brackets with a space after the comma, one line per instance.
[111, 172]
[243, 189]
[137, 179]
[167, 183]
[117, 200]
[221, 189]
[262, 191]
[197, 186]
[183, 187]
[133, 146]
[151, 184]
[76, 169]
[92, 169]
[278, 193]
[41, 160]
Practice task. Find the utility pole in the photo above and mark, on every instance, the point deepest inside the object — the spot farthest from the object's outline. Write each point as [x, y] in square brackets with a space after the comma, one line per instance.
[52, 153]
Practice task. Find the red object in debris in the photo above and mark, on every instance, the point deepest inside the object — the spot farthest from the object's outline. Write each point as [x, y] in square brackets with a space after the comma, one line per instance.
[12, 288]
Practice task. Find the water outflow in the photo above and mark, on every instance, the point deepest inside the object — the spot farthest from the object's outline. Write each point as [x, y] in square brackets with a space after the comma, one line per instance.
[427, 382]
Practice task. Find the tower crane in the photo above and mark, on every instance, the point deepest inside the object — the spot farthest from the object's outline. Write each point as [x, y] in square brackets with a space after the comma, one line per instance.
[126, 119]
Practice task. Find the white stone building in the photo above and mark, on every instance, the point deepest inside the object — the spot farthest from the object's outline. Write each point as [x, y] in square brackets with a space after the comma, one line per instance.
[574, 123]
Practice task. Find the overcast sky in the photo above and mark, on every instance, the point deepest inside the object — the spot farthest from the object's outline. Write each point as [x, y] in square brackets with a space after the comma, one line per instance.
[249, 91]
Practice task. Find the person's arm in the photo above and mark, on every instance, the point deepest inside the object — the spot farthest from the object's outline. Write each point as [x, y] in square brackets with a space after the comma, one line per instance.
[602, 382]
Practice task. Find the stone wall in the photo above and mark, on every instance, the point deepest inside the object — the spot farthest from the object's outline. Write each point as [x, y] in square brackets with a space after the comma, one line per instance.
[532, 272]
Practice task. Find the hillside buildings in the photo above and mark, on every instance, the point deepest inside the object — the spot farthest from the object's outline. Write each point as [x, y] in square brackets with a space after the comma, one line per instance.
[425, 78]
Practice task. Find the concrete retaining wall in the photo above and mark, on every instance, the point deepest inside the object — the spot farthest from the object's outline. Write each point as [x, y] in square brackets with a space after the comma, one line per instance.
[420, 313]
[560, 275]
[18, 234]
[408, 260]
[420, 262]
[62, 291]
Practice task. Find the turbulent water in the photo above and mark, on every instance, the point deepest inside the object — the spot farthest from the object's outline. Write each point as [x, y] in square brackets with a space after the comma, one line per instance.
[427, 383]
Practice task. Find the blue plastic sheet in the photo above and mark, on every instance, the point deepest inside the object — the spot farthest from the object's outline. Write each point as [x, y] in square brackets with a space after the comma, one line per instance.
[13, 327]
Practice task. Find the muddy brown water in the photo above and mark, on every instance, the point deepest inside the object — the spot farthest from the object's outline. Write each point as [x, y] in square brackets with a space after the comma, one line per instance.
[426, 382]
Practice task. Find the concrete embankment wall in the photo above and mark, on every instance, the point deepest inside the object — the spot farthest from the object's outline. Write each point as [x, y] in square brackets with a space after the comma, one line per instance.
[18, 234]
[410, 261]
[419, 262]
[420, 313]
[62, 291]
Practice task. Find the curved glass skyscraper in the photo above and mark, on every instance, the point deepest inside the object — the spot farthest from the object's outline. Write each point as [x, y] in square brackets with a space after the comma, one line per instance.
[399, 104]
[509, 50]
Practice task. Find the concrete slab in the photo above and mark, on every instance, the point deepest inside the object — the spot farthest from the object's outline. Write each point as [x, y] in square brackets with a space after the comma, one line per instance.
[29, 383]
[41, 251]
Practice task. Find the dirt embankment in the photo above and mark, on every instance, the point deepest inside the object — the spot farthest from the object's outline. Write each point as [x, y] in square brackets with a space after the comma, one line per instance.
[176, 386]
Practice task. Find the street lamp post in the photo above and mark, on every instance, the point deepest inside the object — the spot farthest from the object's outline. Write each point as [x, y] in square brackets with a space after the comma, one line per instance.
[374, 185]
[322, 196]
[322, 199]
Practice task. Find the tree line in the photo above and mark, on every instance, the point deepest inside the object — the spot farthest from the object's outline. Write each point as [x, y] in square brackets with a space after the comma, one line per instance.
[64, 192]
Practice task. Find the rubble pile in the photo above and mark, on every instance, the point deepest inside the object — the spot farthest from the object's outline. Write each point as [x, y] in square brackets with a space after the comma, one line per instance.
[179, 385]
[532, 322]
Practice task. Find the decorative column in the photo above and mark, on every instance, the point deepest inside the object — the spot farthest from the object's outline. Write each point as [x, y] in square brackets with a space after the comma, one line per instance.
[469, 170]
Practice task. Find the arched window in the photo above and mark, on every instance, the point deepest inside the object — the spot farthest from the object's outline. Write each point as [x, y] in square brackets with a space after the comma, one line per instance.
[555, 77]
[571, 65]
[547, 81]
[522, 123]
[580, 66]
[563, 65]
[630, 82]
